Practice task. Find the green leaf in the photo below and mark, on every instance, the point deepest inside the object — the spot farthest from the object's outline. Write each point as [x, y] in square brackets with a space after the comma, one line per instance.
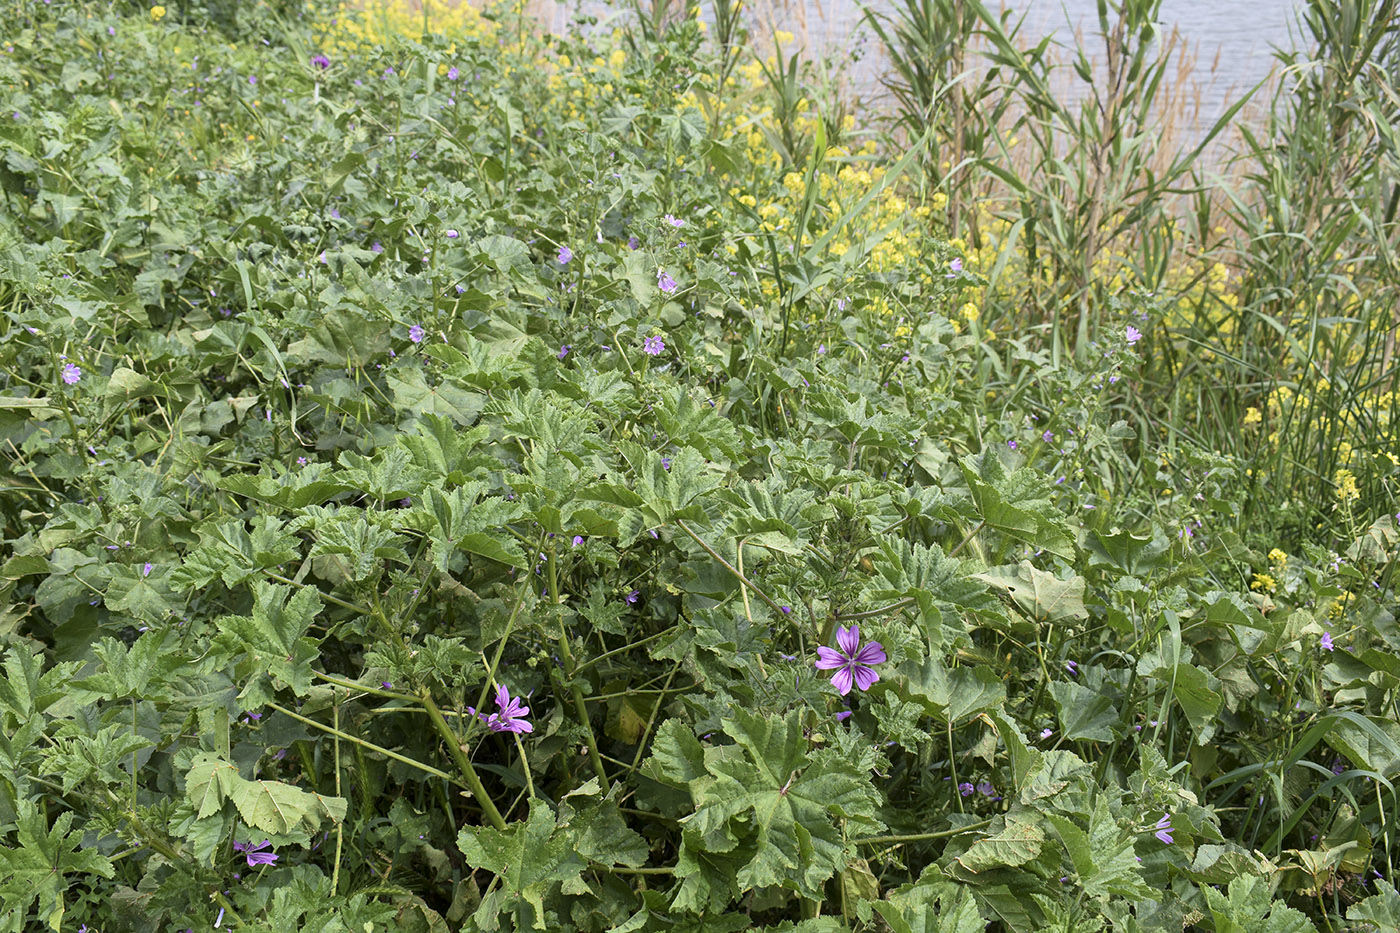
[1017, 503]
[1381, 909]
[274, 635]
[1013, 840]
[37, 867]
[785, 801]
[1084, 713]
[1042, 596]
[954, 695]
[932, 909]
[528, 858]
[268, 806]
[1197, 692]
[1104, 857]
[1248, 907]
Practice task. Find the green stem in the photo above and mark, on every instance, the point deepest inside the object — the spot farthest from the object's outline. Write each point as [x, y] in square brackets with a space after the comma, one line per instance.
[730, 567]
[919, 837]
[566, 654]
[464, 764]
[361, 742]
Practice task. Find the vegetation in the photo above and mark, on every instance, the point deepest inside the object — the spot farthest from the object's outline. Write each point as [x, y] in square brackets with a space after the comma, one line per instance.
[463, 478]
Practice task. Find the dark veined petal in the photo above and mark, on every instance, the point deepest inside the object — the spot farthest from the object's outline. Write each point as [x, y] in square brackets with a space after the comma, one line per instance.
[829, 659]
[841, 680]
[848, 640]
[873, 653]
[865, 676]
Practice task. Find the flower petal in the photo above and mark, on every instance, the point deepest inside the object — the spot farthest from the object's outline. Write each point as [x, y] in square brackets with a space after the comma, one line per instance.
[873, 653]
[865, 676]
[841, 680]
[828, 659]
[848, 639]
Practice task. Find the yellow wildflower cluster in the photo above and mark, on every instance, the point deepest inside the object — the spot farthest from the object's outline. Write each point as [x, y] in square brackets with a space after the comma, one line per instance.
[371, 22]
[1263, 583]
[1345, 481]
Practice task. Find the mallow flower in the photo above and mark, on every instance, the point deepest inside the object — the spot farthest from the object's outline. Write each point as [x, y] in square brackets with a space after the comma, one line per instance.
[853, 662]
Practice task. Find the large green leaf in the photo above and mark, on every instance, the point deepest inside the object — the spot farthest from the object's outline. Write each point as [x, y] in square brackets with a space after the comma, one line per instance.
[274, 635]
[528, 858]
[37, 867]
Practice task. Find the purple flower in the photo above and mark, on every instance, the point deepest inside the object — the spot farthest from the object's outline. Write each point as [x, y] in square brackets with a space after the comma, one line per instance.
[632, 597]
[565, 254]
[1072, 667]
[511, 717]
[664, 281]
[965, 789]
[1011, 444]
[853, 663]
[376, 247]
[1133, 334]
[786, 610]
[452, 73]
[954, 269]
[665, 463]
[321, 62]
[1326, 642]
[653, 345]
[1046, 733]
[386, 685]
[986, 789]
[71, 374]
[302, 461]
[146, 569]
[255, 854]
[452, 234]
[843, 715]
[674, 221]
[1164, 829]
[252, 79]
[415, 333]
[1048, 436]
[632, 243]
[564, 351]
[578, 539]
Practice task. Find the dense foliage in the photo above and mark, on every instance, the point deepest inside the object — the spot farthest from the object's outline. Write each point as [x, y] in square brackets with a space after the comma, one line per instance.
[450, 476]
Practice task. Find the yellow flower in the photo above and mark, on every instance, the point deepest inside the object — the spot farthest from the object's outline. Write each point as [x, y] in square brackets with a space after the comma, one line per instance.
[1263, 582]
[157, 12]
[1252, 415]
[1345, 481]
[1278, 557]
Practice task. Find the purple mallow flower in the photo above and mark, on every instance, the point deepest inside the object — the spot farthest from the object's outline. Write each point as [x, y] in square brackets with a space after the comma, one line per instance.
[452, 73]
[664, 281]
[415, 333]
[255, 854]
[954, 269]
[632, 597]
[511, 714]
[71, 374]
[966, 789]
[321, 62]
[674, 221]
[1326, 642]
[654, 345]
[853, 663]
[1133, 334]
[564, 350]
[565, 254]
[1164, 829]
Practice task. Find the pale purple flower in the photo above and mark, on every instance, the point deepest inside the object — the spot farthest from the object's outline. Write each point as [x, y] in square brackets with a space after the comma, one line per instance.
[452, 234]
[71, 374]
[955, 269]
[674, 221]
[321, 62]
[1072, 667]
[664, 281]
[564, 350]
[965, 789]
[1046, 732]
[376, 247]
[1011, 444]
[843, 715]
[255, 854]
[853, 663]
[386, 685]
[1326, 641]
[511, 715]
[1133, 334]
[632, 243]
[415, 333]
[452, 73]
[632, 597]
[578, 539]
[1048, 436]
[654, 345]
[302, 461]
[147, 568]
[565, 254]
[1164, 829]
[986, 789]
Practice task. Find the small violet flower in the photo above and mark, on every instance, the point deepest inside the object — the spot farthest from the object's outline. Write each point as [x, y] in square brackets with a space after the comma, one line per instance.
[1011, 444]
[565, 254]
[321, 62]
[955, 269]
[564, 350]
[1046, 732]
[511, 715]
[965, 789]
[1133, 334]
[71, 374]
[1326, 642]
[664, 281]
[632, 597]
[654, 345]
[452, 73]
[1164, 829]
[415, 333]
[255, 854]
[853, 663]
[674, 221]
[578, 539]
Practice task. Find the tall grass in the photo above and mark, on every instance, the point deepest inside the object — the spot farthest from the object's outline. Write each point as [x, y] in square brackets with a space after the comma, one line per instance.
[1276, 264]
